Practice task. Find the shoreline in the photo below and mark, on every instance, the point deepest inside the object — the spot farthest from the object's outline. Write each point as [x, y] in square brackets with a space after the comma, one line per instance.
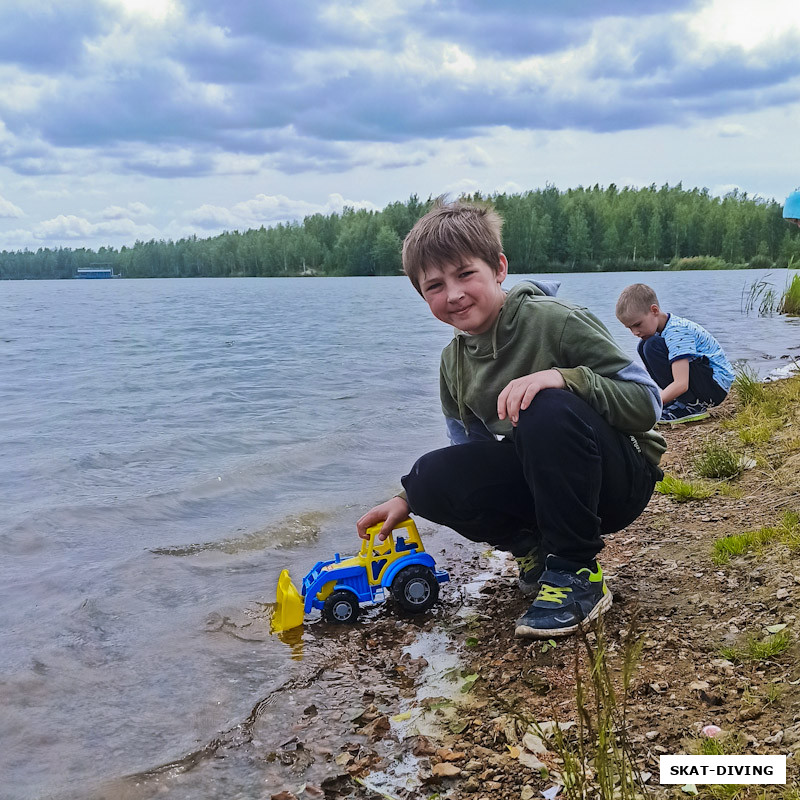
[451, 705]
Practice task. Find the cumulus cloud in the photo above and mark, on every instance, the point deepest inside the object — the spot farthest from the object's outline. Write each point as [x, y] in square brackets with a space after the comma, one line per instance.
[265, 210]
[211, 217]
[132, 210]
[68, 229]
[9, 210]
[289, 86]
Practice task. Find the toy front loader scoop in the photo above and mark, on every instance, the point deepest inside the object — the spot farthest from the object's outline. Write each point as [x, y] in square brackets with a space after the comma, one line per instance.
[337, 587]
[289, 611]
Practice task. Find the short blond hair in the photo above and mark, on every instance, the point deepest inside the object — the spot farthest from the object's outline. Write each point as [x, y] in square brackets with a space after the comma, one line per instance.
[635, 299]
[450, 233]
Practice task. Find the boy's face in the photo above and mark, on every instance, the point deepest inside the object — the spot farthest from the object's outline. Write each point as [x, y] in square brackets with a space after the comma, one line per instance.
[468, 295]
[643, 324]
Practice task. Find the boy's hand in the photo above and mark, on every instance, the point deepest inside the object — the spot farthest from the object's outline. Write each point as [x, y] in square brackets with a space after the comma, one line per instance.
[390, 513]
[517, 396]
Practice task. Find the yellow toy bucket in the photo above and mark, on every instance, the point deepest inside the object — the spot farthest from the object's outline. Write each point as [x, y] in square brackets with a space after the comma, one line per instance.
[289, 611]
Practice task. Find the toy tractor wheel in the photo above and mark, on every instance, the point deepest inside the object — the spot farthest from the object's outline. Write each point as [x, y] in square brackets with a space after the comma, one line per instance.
[415, 588]
[341, 607]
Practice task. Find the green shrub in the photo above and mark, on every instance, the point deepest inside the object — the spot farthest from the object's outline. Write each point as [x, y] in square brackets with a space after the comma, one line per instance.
[761, 261]
[699, 262]
[790, 301]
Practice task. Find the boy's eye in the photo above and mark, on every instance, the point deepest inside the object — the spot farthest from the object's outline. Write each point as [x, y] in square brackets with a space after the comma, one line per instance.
[432, 287]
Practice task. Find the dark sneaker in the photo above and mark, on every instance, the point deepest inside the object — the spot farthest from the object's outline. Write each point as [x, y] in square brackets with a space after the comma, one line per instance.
[567, 601]
[531, 568]
[680, 412]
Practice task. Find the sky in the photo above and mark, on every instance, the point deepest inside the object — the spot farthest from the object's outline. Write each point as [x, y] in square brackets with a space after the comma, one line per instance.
[126, 120]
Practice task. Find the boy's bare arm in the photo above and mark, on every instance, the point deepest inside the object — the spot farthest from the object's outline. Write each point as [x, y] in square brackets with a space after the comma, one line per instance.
[680, 381]
[519, 393]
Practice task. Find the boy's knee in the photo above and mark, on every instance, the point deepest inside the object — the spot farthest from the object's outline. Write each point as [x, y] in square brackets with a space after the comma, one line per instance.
[548, 408]
[653, 347]
[423, 483]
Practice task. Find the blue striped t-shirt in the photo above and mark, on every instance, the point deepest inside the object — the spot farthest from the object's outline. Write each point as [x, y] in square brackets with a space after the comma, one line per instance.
[687, 339]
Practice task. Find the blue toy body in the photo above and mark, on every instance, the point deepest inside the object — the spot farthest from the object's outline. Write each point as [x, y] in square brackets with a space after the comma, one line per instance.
[338, 587]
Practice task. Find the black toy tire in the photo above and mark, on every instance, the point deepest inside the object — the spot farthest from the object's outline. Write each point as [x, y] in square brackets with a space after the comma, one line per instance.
[341, 608]
[415, 589]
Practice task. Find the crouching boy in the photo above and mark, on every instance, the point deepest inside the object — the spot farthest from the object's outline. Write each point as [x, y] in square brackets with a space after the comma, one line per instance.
[550, 423]
[683, 358]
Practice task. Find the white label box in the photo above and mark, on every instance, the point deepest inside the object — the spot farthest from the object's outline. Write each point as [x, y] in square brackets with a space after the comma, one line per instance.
[723, 769]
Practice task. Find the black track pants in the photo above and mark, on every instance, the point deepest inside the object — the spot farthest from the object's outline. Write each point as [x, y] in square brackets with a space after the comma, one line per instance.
[564, 479]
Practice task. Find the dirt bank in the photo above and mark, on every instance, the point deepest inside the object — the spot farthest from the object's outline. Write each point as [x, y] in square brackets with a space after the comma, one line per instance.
[441, 707]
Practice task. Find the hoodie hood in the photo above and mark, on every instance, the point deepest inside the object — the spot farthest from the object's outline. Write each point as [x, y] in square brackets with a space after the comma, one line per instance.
[485, 345]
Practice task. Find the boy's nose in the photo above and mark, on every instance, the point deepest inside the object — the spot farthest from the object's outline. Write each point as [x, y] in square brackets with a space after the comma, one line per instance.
[455, 293]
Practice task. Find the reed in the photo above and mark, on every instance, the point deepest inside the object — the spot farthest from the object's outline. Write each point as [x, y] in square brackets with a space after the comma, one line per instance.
[760, 295]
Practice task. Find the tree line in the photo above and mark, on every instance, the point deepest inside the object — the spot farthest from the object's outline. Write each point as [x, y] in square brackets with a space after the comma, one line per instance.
[545, 230]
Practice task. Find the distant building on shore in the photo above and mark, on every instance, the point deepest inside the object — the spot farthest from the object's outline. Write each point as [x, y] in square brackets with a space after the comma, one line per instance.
[97, 271]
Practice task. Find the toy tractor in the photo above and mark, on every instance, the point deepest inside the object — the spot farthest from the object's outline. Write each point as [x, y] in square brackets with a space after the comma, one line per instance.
[398, 565]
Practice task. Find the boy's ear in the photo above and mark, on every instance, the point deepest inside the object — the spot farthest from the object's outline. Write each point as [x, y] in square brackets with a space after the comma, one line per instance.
[654, 309]
[502, 269]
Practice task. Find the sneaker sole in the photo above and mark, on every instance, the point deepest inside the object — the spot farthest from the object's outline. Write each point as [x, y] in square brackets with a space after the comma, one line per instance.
[692, 418]
[526, 632]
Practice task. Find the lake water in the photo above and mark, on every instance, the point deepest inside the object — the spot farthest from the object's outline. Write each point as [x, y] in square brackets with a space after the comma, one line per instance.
[168, 446]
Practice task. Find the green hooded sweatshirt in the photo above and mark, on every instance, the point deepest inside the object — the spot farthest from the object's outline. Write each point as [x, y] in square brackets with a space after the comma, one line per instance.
[535, 332]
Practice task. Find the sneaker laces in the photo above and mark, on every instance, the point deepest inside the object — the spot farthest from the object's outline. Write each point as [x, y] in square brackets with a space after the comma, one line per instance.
[553, 594]
[528, 562]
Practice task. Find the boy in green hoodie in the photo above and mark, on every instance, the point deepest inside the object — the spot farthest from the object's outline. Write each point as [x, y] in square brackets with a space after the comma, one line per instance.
[551, 424]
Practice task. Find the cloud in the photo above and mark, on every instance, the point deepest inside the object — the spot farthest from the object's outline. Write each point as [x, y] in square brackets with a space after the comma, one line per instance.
[8, 210]
[70, 228]
[47, 36]
[132, 210]
[234, 88]
[265, 210]
[211, 217]
[64, 227]
[732, 129]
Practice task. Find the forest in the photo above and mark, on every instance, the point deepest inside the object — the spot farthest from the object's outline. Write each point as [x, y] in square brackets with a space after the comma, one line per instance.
[545, 230]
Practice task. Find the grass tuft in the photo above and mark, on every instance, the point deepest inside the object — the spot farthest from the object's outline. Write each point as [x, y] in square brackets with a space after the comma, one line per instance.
[717, 461]
[749, 388]
[726, 489]
[724, 744]
[683, 491]
[737, 544]
[754, 649]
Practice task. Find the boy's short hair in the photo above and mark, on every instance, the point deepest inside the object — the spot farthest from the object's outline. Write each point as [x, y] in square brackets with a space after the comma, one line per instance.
[635, 299]
[450, 233]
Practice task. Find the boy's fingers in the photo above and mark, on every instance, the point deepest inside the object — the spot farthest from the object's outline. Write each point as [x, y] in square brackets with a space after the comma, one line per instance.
[501, 402]
[530, 393]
